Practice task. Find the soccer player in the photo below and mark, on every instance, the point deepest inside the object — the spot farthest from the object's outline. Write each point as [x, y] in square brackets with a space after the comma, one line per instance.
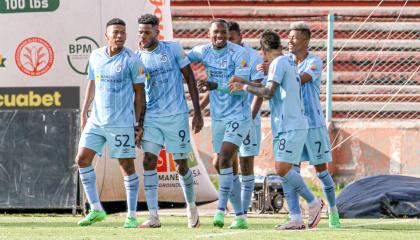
[318, 147]
[166, 117]
[230, 114]
[288, 120]
[251, 145]
[115, 84]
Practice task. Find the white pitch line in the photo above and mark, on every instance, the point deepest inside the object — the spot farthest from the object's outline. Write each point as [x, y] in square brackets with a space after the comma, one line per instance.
[380, 223]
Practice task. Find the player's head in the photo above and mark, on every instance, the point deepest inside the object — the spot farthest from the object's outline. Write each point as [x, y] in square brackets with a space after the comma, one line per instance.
[148, 30]
[270, 45]
[218, 33]
[299, 37]
[115, 33]
[235, 35]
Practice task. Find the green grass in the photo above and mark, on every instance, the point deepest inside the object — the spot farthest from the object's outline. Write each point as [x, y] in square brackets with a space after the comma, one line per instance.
[64, 227]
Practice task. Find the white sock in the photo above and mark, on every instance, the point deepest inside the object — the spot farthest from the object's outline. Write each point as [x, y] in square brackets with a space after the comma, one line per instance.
[313, 203]
[153, 213]
[191, 205]
[97, 206]
[296, 217]
[131, 214]
[332, 209]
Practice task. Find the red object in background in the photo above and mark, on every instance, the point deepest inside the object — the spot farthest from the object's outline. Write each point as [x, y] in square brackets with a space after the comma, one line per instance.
[165, 162]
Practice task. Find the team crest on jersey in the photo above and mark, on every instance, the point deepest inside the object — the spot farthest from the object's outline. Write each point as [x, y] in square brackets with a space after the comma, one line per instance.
[223, 64]
[118, 69]
[164, 58]
[313, 67]
[141, 70]
[97, 78]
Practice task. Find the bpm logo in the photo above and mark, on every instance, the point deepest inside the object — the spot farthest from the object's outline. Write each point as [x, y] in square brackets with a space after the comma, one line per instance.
[79, 52]
[34, 56]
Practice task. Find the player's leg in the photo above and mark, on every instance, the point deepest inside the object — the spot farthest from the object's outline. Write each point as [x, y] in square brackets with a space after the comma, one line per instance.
[235, 195]
[295, 213]
[177, 141]
[288, 149]
[121, 143]
[235, 132]
[320, 146]
[152, 144]
[91, 143]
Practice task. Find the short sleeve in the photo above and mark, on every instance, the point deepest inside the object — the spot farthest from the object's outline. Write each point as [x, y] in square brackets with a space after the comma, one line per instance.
[276, 71]
[195, 54]
[180, 56]
[242, 68]
[314, 68]
[91, 74]
[137, 71]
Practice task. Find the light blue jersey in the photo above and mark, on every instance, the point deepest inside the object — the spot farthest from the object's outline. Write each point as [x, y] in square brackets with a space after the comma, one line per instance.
[220, 66]
[113, 105]
[164, 82]
[287, 110]
[312, 65]
[254, 60]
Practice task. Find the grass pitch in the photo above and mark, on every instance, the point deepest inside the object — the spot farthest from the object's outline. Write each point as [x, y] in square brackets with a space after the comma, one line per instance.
[64, 227]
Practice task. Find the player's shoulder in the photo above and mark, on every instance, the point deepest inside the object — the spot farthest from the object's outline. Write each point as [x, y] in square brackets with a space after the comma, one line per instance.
[233, 48]
[203, 48]
[313, 58]
[98, 52]
[284, 59]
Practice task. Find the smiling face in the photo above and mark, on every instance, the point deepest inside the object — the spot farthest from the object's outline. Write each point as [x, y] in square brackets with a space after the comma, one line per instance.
[298, 42]
[218, 34]
[115, 36]
[147, 34]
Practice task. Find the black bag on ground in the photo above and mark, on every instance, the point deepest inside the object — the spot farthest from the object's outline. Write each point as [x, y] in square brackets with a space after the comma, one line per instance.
[381, 196]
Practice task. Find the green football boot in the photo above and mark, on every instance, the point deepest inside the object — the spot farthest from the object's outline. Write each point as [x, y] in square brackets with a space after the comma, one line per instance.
[334, 220]
[93, 217]
[239, 223]
[131, 222]
[219, 219]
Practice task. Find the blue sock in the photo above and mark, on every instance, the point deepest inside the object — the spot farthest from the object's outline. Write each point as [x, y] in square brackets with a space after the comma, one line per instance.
[88, 179]
[247, 188]
[225, 186]
[187, 184]
[150, 189]
[235, 196]
[328, 187]
[296, 182]
[131, 184]
[294, 197]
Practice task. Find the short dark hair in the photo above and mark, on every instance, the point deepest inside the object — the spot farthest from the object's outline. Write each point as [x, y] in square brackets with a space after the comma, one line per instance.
[218, 20]
[149, 19]
[270, 40]
[233, 26]
[115, 21]
[301, 26]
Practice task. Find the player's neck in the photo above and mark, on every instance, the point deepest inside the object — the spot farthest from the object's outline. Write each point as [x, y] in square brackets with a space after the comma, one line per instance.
[299, 57]
[113, 51]
[152, 47]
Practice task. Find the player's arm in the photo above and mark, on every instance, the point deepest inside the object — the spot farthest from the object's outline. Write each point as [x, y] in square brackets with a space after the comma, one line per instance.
[304, 78]
[256, 101]
[205, 101]
[312, 71]
[197, 122]
[89, 96]
[267, 91]
[140, 110]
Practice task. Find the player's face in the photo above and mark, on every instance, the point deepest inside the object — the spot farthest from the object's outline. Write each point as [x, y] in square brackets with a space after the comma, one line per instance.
[115, 36]
[147, 35]
[218, 34]
[235, 37]
[298, 42]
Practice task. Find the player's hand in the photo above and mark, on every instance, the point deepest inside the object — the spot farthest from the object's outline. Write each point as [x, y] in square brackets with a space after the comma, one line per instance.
[235, 87]
[139, 135]
[197, 122]
[263, 67]
[234, 79]
[204, 86]
[83, 120]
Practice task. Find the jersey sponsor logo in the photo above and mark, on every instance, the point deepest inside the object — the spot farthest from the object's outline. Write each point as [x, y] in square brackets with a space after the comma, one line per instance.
[79, 52]
[2, 60]
[164, 58]
[34, 56]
